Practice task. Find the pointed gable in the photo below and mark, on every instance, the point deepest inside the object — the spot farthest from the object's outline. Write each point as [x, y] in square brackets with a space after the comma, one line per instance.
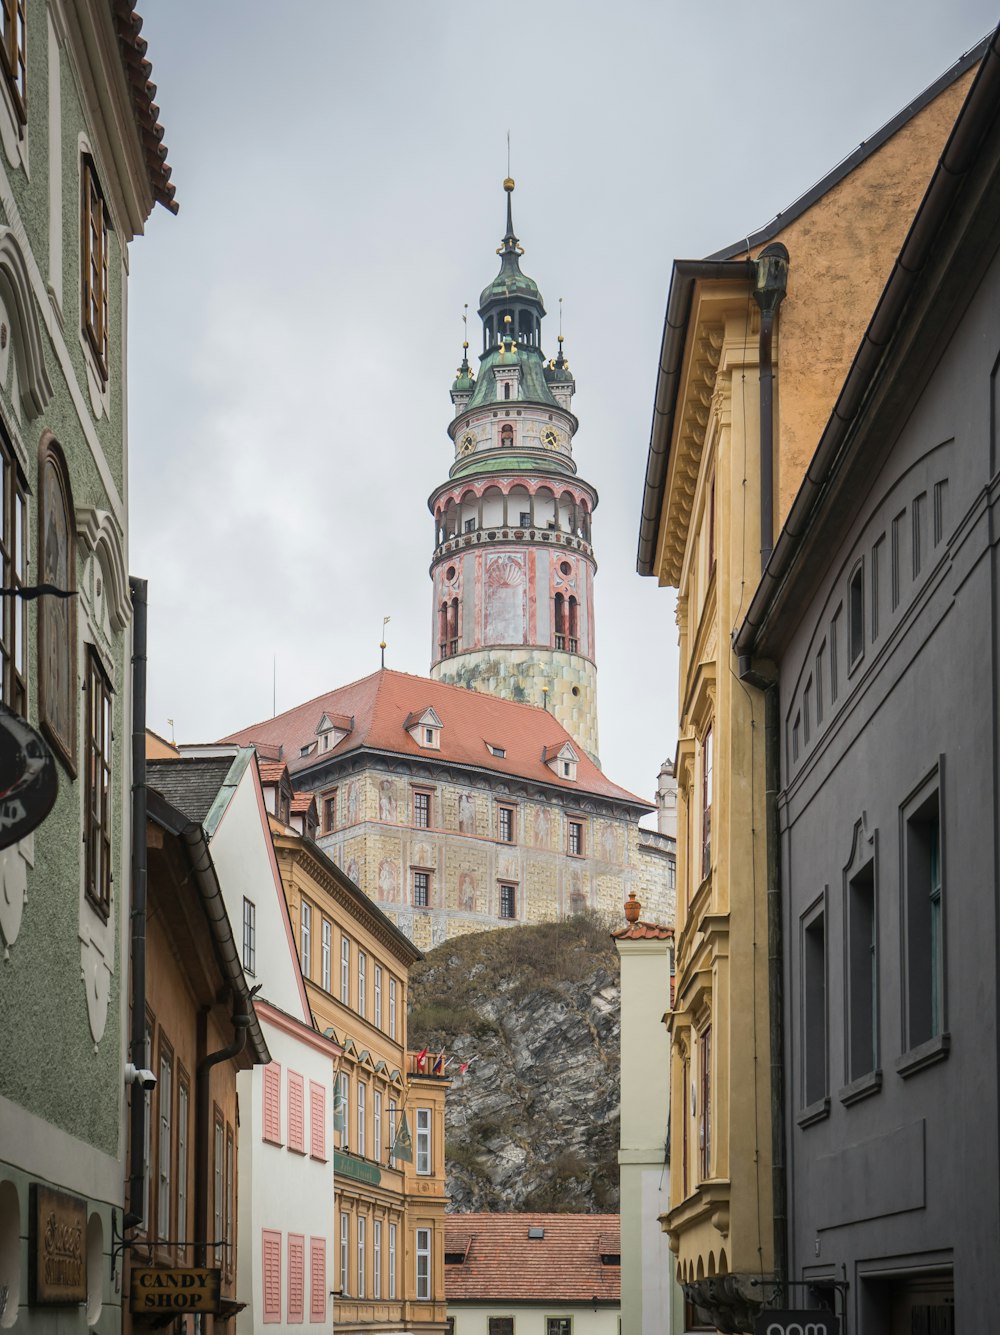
[424, 726]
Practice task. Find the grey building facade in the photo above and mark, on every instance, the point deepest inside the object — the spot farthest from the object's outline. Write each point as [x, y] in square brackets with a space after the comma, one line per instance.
[879, 610]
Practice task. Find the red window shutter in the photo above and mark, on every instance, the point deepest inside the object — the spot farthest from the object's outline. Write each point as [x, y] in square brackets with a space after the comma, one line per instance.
[296, 1112]
[317, 1279]
[296, 1276]
[271, 1271]
[317, 1120]
[272, 1103]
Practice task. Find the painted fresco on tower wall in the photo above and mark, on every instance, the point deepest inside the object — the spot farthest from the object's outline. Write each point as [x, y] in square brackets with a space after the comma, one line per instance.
[506, 587]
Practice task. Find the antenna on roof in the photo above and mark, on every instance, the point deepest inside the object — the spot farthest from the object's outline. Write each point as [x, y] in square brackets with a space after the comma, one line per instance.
[274, 686]
[385, 622]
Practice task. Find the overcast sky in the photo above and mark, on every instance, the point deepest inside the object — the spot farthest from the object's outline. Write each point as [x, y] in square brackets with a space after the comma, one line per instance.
[295, 330]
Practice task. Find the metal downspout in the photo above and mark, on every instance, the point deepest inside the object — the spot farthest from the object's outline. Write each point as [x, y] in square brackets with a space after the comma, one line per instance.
[775, 983]
[137, 1044]
[203, 1082]
[769, 292]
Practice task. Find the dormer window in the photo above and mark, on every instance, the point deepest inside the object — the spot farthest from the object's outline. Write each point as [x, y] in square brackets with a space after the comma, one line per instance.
[424, 727]
[497, 751]
[562, 760]
[331, 731]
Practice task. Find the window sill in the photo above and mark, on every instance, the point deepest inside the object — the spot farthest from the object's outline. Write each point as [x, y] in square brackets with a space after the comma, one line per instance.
[936, 1049]
[814, 1112]
[861, 1088]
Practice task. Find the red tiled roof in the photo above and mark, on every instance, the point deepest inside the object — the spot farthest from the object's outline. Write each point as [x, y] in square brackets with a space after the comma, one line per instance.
[272, 771]
[303, 801]
[643, 931]
[471, 722]
[128, 25]
[503, 1263]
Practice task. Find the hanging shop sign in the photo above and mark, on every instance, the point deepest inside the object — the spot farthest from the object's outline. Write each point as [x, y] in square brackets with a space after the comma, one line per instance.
[191, 1289]
[28, 782]
[797, 1323]
[57, 1259]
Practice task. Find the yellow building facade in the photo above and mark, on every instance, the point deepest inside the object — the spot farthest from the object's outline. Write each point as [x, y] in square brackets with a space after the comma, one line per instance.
[811, 279]
[388, 1265]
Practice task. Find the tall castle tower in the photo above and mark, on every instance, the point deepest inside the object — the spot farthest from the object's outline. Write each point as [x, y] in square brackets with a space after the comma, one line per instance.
[513, 567]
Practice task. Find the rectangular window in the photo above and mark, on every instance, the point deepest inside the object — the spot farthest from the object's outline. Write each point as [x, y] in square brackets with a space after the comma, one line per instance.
[705, 1109]
[362, 1097]
[576, 839]
[305, 935]
[376, 1258]
[898, 543]
[807, 711]
[362, 1239]
[814, 1032]
[508, 901]
[362, 984]
[919, 532]
[706, 805]
[862, 974]
[230, 1223]
[377, 1125]
[923, 908]
[249, 936]
[422, 810]
[296, 1277]
[94, 265]
[558, 1325]
[856, 615]
[345, 970]
[834, 659]
[377, 1016]
[164, 1097]
[272, 1103]
[500, 1325]
[423, 1263]
[12, 52]
[421, 889]
[218, 1190]
[392, 1132]
[940, 501]
[392, 1008]
[317, 1279]
[326, 949]
[505, 824]
[271, 1269]
[329, 811]
[183, 1107]
[317, 1120]
[877, 584]
[392, 1261]
[423, 1125]
[342, 1108]
[345, 1242]
[820, 656]
[97, 796]
[296, 1112]
[13, 569]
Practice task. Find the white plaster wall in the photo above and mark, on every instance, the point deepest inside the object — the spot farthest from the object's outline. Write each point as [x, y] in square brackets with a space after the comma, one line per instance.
[279, 1188]
[529, 1320]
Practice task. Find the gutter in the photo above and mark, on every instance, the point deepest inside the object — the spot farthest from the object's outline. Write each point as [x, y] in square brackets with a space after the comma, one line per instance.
[137, 1042]
[686, 274]
[958, 157]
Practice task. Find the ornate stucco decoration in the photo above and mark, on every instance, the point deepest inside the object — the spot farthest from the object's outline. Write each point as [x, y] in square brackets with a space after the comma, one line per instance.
[26, 333]
[99, 535]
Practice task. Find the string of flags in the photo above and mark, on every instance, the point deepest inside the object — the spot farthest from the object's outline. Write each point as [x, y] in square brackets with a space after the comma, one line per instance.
[438, 1063]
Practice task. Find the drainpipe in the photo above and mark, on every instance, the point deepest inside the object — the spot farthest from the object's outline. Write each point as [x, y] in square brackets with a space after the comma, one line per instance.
[137, 1045]
[769, 292]
[752, 674]
[203, 1129]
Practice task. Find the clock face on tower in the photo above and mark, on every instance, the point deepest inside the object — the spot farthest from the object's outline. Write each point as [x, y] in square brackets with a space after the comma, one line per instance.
[550, 438]
[468, 444]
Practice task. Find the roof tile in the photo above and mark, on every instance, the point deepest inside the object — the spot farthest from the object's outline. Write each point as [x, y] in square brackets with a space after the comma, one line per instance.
[502, 1262]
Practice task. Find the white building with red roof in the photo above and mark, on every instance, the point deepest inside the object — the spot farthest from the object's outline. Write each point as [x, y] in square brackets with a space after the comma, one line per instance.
[533, 1274]
[458, 811]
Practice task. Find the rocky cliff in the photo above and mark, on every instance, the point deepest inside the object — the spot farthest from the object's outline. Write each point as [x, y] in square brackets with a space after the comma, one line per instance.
[533, 1122]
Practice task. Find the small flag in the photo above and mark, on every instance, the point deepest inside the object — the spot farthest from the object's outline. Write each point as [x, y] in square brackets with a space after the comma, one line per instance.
[421, 1059]
[402, 1147]
[339, 1109]
[439, 1064]
[463, 1068]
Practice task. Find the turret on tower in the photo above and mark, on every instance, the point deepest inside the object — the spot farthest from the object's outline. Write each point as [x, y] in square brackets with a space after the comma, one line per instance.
[513, 565]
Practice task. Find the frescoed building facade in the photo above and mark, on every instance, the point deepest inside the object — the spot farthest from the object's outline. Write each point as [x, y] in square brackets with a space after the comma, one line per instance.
[81, 168]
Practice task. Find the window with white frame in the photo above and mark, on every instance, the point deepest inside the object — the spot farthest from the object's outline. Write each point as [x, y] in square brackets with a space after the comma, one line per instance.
[342, 1107]
[377, 1017]
[305, 938]
[362, 984]
[362, 1098]
[423, 1263]
[326, 951]
[217, 1213]
[392, 1133]
[377, 1125]
[392, 1260]
[249, 936]
[362, 1240]
[345, 970]
[392, 1008]
[423, 1122]
[183, 1108]
[345, 1241]
[376, 1258]
[164, 1094]
[13, 53]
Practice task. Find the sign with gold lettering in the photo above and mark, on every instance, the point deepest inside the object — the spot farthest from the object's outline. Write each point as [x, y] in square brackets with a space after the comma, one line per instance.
[156, 1289]
[58, 1262]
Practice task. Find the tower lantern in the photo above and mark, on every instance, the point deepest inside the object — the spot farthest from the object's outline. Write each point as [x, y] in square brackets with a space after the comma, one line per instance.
[513, 564]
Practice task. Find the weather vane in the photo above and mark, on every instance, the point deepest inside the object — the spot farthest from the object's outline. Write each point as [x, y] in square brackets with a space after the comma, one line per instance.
[385, 622]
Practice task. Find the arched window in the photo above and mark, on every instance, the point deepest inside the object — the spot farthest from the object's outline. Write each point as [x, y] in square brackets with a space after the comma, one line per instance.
[560, 610]
[507, 434]
[57, 694]
[573, 628]
[453, 627]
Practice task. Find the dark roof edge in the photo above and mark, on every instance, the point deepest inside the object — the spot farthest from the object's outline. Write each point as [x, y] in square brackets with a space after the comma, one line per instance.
[978, 112]
[858, 155]
[214, 905]
[685, 274]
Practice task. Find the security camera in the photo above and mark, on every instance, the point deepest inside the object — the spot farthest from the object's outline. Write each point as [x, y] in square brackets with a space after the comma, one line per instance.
[135, 1075]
